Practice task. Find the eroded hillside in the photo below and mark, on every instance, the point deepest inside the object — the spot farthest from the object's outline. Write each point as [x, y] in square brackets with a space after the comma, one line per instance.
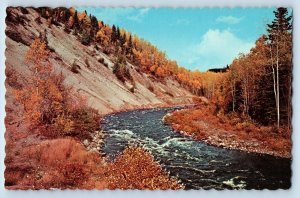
[94, 77]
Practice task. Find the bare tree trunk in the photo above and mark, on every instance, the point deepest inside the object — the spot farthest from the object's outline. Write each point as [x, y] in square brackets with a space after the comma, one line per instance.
[277, 83]
[289, 102]
[233, 95]
[247, 92]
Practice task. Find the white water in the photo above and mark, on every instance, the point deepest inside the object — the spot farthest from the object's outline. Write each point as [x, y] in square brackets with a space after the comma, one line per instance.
[194, 163]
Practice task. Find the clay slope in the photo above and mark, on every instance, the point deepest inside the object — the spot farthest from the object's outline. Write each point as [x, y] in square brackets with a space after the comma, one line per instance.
[94, 80]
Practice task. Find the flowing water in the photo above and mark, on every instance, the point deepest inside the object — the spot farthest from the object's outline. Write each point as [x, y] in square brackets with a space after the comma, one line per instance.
[196, 164]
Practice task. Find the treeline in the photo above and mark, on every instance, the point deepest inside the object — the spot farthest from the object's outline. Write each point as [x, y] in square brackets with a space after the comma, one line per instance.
[128, 48]
[258, 84]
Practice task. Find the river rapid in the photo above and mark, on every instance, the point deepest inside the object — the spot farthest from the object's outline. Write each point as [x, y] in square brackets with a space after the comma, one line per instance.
[196, 164]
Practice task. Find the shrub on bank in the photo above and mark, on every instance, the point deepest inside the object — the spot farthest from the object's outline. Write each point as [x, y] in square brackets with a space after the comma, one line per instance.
[137, 169]
[86, 121]
[51, 107]
[65, 163]
[202, 124]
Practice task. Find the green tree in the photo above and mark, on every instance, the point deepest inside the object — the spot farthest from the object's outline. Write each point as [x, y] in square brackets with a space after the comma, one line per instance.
[114, 34]
[76, 24]
[95, 26]
[279, 35]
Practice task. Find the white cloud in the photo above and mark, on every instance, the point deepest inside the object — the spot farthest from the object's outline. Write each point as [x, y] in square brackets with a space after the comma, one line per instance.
[139, 16]
[229, 19]
[216, 48]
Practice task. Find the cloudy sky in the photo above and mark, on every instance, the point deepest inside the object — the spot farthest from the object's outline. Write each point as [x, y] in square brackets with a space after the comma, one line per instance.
[195, 38]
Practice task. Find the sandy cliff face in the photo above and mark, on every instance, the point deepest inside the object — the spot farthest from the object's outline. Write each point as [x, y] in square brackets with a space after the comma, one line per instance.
[94, 80]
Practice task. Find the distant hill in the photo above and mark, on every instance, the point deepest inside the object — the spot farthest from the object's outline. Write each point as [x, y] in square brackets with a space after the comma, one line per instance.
[219, 70]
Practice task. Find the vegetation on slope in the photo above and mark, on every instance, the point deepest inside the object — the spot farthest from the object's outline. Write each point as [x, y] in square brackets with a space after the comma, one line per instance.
[230, 131]
[64, 163]
[126, 47]
[252, 100]
[257, 84]
[51, 106]
[45, 151]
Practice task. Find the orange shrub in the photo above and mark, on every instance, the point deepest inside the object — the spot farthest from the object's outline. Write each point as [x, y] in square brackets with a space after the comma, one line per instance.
[65, 163]
[59, 163]
[136, 169]
[49, 105]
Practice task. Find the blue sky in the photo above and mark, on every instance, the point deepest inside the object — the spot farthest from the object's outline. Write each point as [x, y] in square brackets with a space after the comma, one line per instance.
[196, 38]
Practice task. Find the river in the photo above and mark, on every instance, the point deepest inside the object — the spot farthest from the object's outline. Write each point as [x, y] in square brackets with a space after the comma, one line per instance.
[196, 164]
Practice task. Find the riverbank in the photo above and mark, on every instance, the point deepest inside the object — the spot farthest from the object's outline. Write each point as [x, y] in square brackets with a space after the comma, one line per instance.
[230, 132]
[34, 161]
[194, 163]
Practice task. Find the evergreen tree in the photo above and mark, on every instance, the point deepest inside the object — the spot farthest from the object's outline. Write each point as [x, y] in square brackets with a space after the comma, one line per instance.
[130, 46]
[118, 34]
[67, 15]
[114, 34]
[122, 40]
[95, 26]
[281, 24]
[94, 22]
[279, 35]
[76, 24]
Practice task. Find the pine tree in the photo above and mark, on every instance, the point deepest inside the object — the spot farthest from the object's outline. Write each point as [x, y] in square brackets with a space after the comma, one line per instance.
[281, 24]
[279, 38]
[129, 47]
[76, 24]
[67, 15]
[118, 34]
[130, 44]
[122, 40]
[95, 26]
[114, 34]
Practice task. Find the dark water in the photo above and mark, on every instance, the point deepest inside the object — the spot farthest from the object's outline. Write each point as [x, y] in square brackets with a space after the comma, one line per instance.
[194, 163]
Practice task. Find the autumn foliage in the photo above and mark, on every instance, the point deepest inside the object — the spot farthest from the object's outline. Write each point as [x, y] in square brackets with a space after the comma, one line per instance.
[242, 105]
[49, 105]
[136, 169]
[58, 120]
[64, 163]
[257, 84]
[129, 48]
[231, 131]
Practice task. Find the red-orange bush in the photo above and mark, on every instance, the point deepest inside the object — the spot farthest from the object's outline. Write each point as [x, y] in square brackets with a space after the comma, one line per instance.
[51, 106]
[201, 123]
[136, 169]
[65, 163]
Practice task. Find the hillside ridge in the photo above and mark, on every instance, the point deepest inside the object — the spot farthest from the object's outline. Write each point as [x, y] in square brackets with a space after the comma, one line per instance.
[93, 75]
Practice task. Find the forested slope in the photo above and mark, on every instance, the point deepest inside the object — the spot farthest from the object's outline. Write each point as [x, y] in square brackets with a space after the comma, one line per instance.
[94, 74]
